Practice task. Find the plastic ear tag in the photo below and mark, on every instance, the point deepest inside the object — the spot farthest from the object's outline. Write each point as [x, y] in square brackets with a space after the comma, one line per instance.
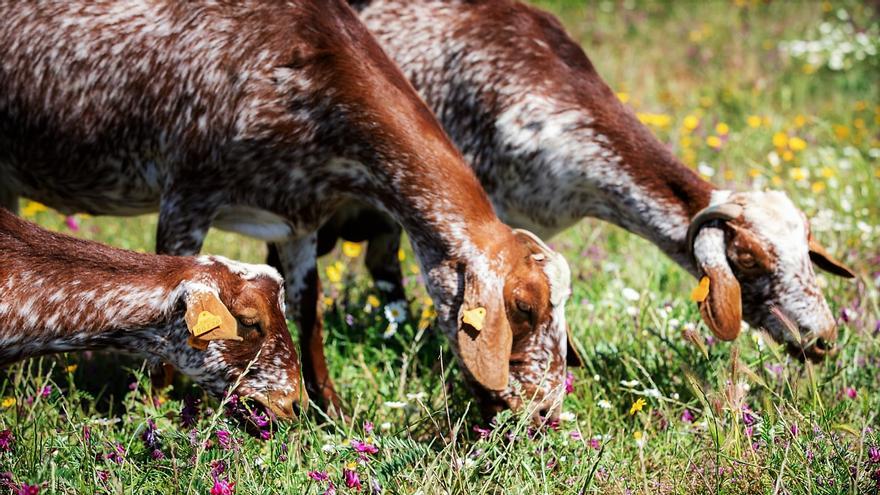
[207, 321]
[474, 317]
[701, 291]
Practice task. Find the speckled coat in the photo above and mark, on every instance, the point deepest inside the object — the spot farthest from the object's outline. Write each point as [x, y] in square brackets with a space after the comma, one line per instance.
[551, 144]
[262, 118]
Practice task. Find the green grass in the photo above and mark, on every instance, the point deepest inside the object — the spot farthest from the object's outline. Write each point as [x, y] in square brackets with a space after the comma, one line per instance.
[810, 428]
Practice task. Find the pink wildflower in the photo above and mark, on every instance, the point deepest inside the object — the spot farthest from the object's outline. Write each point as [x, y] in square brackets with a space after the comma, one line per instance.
[687, 416]
[352, 480]
[569, 382]
[363, 447]
[72, 223]
[850, 392]
[222, 487]
[319, 475]
[6, 439]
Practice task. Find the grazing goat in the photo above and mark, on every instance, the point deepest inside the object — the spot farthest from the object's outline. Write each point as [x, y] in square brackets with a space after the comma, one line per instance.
[210, 317]
[262, 118]
[552, 144]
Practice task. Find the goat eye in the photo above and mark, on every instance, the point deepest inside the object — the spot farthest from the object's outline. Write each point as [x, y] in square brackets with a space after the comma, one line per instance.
[747, 261]
[523, 307]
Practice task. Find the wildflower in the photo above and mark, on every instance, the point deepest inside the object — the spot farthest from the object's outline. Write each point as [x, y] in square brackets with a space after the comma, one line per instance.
[797, 144]
[222, 487]
[6, 439]
[395, 312]
[372, 302]
[753, 121]
[32, 208]
[319, 475]
[818, 187]
[874, 454]
[386, 426]
[218, 467]
[71, 223]
[604, 404]
[7, 402]
[116, 455]
[352, 480]
[150, 436]
[630, 294]
[850, 392]
[363, 447]
[575, 435]
[595, 444]
[655, 119]
[640, 439]
[827, 172]
[375, 487]
[368, 427]
[401, 255]
[797, 173]
[189, 415]
[26, 489]
[780, 140]
[637, 406]
[225, 439]
[687, 416]
[623, 97]
[334, 272]
[630, 383]
[569, 382]
[351, 249]
[704, 169]
[722, 129]
[690, 122]
[71, 368]
[392, 404]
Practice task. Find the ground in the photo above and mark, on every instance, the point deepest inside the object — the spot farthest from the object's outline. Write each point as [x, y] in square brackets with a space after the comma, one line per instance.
[753, 94]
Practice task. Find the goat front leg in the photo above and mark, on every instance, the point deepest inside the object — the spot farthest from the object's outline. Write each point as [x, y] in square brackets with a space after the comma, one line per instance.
[383, 263]
[298, 261]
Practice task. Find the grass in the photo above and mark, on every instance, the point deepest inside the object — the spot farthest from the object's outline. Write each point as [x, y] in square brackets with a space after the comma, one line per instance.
[737, 418]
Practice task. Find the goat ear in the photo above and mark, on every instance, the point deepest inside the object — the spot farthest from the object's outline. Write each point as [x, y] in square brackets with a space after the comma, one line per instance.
[721, 308]
[484, 336]
[207, 318]
[825, 261]
[572, 356]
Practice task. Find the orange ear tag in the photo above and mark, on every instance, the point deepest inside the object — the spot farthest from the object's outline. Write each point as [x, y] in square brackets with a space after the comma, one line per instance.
[207, 321]
[701, 291]
[474, 317]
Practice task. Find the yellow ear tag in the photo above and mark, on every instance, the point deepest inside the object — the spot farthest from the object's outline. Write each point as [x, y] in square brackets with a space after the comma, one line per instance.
[207, 321]
[474, 317]
[701, 292]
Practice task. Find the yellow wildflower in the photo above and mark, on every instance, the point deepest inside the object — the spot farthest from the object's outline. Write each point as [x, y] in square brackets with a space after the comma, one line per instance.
[797, 173]
[797, 144]
[776, 180]
[334, 272]
[637, 406]
[722, 128]
[808, 69]
[655, 119]
[859, 123]
[754, 173]
[690, 122]
[71, 368]
[827, 172]
[414, 269]
[32, 208]
[351, 466]
[780, 140]
[713, 142]
[787, 156]
[800, 121]
[685, 142]
[753, 121]
[860, 105]
[401, 255]
[841, 131]
[351, 249]
[637, 435]
[818, 187]
[728, 175]
[373, 301]
[8, 402]
[328, 301]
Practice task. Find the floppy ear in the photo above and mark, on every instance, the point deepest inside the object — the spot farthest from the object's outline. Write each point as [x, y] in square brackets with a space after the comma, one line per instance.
[207, 318]
[572, 356]
[721, 308]
[484, 335]
[825, 261]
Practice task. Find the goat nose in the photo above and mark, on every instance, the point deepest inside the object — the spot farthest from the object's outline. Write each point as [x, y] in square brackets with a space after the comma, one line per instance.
[282, 404]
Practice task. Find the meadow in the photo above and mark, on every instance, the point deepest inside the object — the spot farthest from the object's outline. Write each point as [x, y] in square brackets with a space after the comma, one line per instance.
[753, 95]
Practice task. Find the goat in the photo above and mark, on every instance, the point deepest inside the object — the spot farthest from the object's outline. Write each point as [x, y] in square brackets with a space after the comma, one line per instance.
[262, 118]
[208, 316]
[552, 144]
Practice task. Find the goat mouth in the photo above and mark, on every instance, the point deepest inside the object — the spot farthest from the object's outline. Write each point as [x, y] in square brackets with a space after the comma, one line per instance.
[816, 352]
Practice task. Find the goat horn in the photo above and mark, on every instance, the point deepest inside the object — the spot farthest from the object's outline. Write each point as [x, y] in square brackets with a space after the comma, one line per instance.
[723, 211]
[541, 245]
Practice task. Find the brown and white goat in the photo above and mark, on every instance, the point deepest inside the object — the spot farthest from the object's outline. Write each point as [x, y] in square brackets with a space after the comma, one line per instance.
[552, 144]
[210, 317]
[262, 118]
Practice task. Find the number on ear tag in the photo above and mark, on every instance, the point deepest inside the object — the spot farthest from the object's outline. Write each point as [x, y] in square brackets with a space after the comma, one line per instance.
[207, 321]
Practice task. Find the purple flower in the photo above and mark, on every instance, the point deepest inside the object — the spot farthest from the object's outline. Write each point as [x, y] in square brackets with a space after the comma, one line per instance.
[850, 392]
[749, 431]
[569, 382]
[352, 480]
[874, 454]
[368, 427]
[150, 436]
[349, 320]
[189, 415]
[6, 439]
[72, 224]
[483, 432]
[595, 444]
[157, 455]
[87, 434]
[116, 455]
[687, 416]
[319, 475]
[46, 391]
[222, 487]
[810, 455]
[331, 489]
[218, 467]
[793, 429]
[265, 434]
[26, 489]
[363, 448]
[375, 487]
[225, 439]
[575, 435]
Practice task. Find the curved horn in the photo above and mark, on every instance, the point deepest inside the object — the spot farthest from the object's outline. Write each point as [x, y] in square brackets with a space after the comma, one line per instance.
[723, 211]
[541, 244]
